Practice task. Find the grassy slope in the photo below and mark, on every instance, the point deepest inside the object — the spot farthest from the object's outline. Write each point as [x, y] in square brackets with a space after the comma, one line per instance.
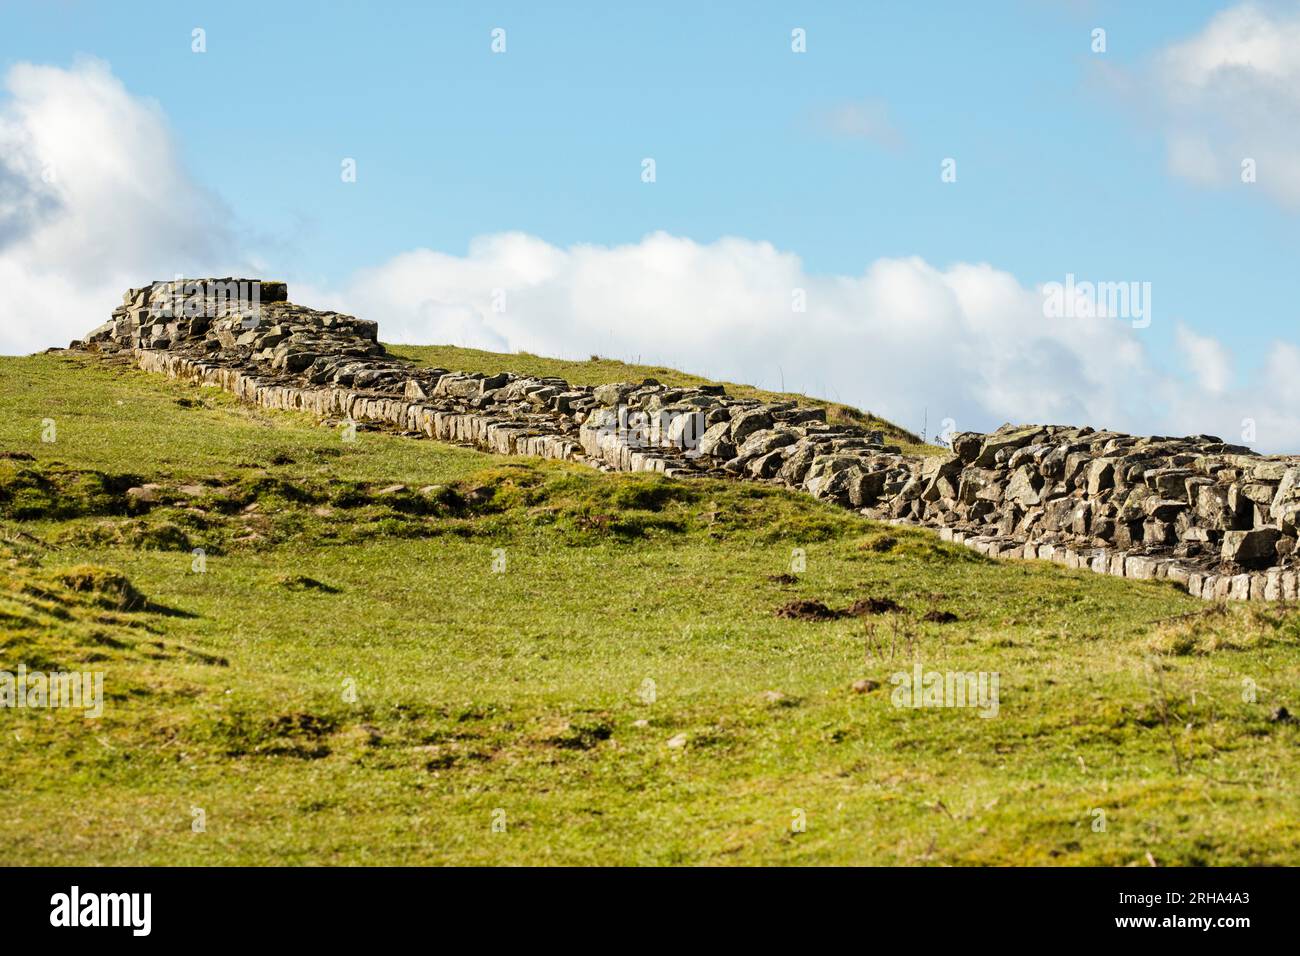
[519, 691]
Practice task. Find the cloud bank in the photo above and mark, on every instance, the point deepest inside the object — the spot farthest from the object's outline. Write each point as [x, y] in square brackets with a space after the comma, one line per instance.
[94, 198]
[1231, 93]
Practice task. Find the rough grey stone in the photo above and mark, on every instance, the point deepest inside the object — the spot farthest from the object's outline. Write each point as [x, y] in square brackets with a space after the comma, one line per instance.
[1251, 549]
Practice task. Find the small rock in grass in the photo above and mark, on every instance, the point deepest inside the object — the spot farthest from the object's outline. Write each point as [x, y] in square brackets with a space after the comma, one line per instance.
[865, 686]
[677, 742]
[148, 493]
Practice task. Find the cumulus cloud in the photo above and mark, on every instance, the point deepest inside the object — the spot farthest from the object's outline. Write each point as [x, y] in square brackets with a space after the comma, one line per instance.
[1209, 360]
[93, 199]
[1231, 93]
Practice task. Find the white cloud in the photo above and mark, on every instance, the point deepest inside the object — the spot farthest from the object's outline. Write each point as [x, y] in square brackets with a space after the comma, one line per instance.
[902, 338]
[1249, 43]
[1231, 93]
[1209, 361]
[93, 200]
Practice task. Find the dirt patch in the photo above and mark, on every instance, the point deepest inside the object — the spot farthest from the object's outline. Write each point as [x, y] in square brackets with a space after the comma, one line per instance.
[939, 617]
[804, 610]
[783, 579]
[873, 605]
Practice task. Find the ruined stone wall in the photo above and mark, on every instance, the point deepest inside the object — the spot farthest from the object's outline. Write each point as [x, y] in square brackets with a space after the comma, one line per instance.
[1215, 518]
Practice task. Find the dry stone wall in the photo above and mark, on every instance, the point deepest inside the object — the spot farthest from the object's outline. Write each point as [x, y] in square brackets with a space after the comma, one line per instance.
[1213, 517]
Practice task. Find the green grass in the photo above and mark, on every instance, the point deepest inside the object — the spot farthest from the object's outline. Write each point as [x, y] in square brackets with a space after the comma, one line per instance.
[349, 681]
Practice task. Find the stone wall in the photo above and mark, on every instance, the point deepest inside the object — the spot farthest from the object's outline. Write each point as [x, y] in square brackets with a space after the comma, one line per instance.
[1216, 518]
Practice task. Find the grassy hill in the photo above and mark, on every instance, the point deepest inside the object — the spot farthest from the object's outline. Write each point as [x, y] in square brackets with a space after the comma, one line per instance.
[349, 680]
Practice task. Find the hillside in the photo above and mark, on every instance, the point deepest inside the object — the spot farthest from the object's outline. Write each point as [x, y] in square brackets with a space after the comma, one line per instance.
[345, 678]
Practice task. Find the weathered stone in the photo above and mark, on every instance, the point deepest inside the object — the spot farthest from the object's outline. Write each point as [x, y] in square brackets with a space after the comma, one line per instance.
[767, 465]
[1058, 514]
[1023, 487]
[1212, 508]
[1156, 532]
[749, 421]
[967, 445]
[1163, 509]
[1101, 476]
[456, 386]
[1251, 549]
[612, 395]
[717, 441]
[764, 441]
[1142, 568]
[1003, 442]
[941, 476]
[1169, 483]
[865, 489]
[972, 483]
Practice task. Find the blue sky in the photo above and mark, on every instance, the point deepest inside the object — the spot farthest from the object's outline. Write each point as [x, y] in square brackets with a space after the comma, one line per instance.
[1061, 169]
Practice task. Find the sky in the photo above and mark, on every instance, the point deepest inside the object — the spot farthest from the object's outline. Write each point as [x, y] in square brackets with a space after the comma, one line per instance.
[862, 201]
